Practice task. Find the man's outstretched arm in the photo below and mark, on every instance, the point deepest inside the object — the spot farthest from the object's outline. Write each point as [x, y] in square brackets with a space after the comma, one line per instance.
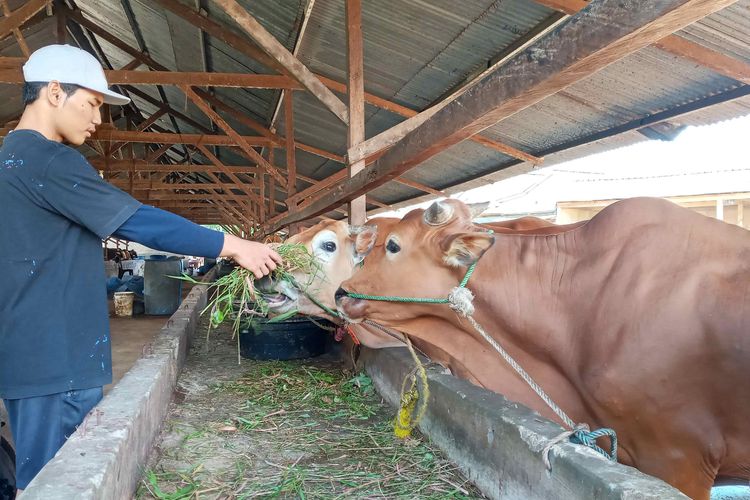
[168, 232]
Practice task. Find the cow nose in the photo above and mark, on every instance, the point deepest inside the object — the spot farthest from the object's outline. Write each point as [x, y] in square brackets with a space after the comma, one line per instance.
[341, 293]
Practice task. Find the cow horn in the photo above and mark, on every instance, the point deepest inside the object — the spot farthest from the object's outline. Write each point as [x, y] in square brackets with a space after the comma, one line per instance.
[477, 209]
[438, 213]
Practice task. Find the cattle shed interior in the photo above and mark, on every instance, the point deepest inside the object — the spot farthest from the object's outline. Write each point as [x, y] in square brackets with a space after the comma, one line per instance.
[241, 114]
[264, 117]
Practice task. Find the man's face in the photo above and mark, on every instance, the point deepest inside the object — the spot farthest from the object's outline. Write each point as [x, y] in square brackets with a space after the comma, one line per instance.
[77, 115]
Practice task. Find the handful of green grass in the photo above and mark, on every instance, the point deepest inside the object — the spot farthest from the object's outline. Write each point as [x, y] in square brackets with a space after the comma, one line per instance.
[236, 297]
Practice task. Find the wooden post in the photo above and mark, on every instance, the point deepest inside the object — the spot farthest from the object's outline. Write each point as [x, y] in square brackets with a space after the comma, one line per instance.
[271, 185]
[356, 91]
[291, 160]
[62, 28]
[262, 201]
[131, 155]
[720, 209]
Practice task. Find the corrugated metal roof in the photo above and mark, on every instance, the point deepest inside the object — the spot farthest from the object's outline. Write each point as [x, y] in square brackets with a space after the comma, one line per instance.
[414, 52]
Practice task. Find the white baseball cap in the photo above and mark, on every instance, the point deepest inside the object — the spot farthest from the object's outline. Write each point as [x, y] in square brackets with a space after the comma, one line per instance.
[68, 64]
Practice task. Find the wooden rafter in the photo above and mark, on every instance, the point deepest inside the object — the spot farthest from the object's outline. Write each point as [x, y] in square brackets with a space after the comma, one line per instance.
[419, 186]
[205, 24]
[245, 120]
[141, 127]
[569, 7]
[143, 166]
[277, 51]
[676, 45]
[229, 36]
[238, 139]
[16, 32]
[602, 33]
[715, 61]
[15, 19]
[144, 185]
[232, 176]
[130, 77]
[115, 135]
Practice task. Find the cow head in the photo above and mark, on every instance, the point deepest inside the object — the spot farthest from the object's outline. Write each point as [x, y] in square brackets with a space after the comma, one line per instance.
[337, 248]
[424, 255]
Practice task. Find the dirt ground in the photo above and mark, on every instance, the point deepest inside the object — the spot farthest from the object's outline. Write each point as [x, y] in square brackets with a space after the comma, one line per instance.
[296, 429]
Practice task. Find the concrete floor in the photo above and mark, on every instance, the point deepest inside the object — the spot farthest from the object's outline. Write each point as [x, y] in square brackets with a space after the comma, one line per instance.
[130, 335]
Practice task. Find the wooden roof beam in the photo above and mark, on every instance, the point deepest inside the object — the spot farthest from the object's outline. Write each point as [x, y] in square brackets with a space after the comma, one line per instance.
[115, 135]
[419, 186]
[569, 7]
[602, 33]
[15, 19]
[143, 166]
[201, 79]
[238, 42]
[279, 140]
[711, 59]
[16, 31]
[239, 140]
[277, 51]
[208, 154]
[676, 45]
[229, 37]
[131, 77]
[167, 186]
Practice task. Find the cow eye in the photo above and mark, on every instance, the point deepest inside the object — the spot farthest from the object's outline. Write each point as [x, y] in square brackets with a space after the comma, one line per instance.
[392, 247]
[329, 246]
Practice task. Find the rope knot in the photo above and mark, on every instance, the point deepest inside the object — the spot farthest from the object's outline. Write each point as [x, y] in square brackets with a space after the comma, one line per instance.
[461, 300]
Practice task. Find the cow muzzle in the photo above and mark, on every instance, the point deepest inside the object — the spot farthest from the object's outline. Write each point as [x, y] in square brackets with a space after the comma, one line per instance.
[353, 310]
[279, 295]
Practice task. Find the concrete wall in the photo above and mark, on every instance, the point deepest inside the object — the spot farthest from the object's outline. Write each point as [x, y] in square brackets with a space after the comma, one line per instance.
[498, 444]
[104, 458]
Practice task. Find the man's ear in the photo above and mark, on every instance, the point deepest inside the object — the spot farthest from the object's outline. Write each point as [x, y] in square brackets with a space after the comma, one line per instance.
[464, 249]
[364, 239]
[53, 92]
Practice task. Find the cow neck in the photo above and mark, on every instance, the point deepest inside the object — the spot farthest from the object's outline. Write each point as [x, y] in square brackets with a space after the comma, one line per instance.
[519, 275]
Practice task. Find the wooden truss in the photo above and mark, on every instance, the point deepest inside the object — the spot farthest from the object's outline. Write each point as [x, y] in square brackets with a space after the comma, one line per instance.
[245, 196]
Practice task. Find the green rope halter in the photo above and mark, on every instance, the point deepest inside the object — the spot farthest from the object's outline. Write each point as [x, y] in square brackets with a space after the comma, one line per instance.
[414, 300]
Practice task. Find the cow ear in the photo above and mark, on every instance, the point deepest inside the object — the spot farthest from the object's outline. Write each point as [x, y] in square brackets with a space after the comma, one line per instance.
[364, 239]
[464, 249]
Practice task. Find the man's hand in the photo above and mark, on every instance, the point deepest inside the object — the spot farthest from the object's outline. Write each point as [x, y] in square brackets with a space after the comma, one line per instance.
[256, 257]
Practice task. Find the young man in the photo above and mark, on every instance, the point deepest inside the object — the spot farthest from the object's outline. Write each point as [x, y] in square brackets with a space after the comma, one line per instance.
[54, 332]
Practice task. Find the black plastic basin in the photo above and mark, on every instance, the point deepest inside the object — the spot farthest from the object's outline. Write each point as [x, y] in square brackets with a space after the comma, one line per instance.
[294, 338]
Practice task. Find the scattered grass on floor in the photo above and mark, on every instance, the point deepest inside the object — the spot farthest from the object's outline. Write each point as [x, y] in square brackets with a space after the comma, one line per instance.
[297, 430]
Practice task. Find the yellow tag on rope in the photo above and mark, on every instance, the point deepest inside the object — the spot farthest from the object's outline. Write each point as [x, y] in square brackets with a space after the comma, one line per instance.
[405, 419]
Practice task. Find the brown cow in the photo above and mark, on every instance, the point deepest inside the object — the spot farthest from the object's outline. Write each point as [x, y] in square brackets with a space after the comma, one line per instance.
[334, 243]
[637, 320]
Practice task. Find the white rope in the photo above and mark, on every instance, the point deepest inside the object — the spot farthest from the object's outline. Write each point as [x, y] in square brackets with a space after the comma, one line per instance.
[461, 301]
